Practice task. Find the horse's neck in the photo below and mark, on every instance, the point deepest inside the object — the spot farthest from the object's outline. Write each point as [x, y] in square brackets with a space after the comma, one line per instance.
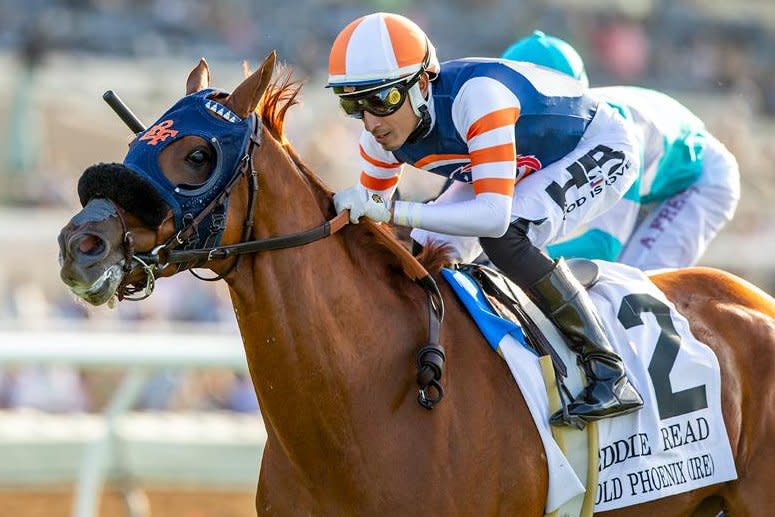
[318, 320]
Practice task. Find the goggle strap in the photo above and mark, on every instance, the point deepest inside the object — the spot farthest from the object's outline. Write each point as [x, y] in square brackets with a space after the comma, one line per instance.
[363, 92]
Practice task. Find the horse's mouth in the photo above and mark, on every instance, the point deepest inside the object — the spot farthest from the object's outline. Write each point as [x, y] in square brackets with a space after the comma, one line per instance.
[103, 288]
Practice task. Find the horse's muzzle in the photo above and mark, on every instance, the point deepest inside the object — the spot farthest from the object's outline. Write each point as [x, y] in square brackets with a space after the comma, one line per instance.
[91, 251]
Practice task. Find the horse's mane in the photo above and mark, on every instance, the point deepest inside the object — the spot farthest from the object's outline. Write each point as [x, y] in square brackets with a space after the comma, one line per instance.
[282, 93]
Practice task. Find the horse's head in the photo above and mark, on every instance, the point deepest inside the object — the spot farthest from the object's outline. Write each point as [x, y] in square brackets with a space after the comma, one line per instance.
[170, 193]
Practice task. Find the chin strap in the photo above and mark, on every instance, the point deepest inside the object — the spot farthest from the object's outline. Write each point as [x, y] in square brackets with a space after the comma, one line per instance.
[420, 107]
[423, 128]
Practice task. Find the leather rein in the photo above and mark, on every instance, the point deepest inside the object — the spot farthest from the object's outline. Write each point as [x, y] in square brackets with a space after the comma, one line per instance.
[429, 359]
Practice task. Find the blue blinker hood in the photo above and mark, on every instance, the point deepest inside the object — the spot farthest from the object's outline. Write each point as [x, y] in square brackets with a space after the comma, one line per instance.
[193, 115]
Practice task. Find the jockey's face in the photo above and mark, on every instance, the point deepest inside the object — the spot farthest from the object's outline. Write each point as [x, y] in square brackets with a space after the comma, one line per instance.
[392, 130]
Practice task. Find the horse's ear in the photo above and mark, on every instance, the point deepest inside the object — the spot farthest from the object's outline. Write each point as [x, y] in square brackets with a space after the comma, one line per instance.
[246, 96]
[199, 78]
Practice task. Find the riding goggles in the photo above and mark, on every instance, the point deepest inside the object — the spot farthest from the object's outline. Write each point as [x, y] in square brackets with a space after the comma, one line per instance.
[380, 103]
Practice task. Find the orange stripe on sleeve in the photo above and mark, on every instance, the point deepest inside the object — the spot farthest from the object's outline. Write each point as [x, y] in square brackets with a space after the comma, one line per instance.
[496, 153]
[495, 119]
[375, 162]
[437, 158]
[503, 186]
[372, 183]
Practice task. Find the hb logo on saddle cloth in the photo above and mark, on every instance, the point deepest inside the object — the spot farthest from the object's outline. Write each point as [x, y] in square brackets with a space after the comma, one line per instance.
[140, 175]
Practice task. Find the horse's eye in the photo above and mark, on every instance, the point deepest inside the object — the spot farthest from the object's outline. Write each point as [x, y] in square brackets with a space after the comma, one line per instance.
[198, 157]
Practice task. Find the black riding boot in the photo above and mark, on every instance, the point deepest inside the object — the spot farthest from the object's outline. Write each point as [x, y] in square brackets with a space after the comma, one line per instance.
[608, 392]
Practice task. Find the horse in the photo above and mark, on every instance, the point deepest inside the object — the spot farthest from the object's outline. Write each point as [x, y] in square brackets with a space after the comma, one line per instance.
[330, 329]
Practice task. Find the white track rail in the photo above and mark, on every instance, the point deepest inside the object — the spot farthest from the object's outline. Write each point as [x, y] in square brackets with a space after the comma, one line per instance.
[216, 448]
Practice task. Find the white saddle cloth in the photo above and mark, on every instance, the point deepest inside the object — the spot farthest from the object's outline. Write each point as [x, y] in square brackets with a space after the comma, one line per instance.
[678, 441]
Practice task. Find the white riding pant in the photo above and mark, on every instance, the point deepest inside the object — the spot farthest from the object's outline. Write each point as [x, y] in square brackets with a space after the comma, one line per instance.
[676, 232]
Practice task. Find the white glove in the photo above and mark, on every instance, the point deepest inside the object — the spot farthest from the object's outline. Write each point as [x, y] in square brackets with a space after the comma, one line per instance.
[361, 202]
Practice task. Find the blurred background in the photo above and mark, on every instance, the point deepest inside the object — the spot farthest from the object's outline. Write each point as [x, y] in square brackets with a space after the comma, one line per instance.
[181, 439]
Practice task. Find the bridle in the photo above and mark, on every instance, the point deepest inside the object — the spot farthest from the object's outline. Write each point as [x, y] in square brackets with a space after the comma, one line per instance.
[429, 358]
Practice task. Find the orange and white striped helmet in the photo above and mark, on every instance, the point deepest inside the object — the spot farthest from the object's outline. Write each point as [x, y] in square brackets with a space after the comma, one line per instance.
[380, 49]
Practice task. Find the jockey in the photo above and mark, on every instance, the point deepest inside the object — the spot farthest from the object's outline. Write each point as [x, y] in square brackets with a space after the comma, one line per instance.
[689, 184]
[466, 119]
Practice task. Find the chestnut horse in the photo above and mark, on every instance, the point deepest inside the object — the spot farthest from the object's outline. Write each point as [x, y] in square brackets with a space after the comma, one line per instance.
[330, 329]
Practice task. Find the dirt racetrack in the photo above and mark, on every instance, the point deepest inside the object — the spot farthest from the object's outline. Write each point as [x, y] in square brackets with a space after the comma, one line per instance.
[57, 502]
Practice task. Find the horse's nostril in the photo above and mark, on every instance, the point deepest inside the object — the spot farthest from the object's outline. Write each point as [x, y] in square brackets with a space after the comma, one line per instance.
[88, 244]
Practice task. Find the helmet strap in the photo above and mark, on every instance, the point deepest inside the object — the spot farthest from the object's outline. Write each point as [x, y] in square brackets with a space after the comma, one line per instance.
[420, 107]
[416, 98]
[423, 128]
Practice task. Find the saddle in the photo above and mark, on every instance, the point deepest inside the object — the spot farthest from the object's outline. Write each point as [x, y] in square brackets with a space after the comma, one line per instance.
[500, 293]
